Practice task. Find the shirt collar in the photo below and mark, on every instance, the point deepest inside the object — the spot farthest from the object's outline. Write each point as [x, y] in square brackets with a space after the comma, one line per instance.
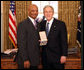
[31, 19]
[50, 21]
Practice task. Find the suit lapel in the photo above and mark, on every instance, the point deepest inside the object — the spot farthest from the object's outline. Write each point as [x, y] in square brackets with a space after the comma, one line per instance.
[30, 22]
[53, 26]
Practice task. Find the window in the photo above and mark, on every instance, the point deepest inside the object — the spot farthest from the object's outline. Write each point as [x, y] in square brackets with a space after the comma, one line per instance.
[41, 5]
[2, 48]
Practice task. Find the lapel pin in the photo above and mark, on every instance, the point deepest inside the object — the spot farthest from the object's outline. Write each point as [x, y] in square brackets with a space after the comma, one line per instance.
[54, 26]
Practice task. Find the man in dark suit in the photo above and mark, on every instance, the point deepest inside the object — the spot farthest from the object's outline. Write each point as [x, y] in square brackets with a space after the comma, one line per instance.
[28, 41]
[55, 52]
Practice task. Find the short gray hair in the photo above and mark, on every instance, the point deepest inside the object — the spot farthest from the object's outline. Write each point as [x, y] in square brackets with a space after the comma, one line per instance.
[48, 6]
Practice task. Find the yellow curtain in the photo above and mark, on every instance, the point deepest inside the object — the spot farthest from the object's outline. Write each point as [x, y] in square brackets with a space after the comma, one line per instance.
[68, 12]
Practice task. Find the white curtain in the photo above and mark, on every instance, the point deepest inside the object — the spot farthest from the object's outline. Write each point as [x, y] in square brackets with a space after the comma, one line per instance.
[41, 5]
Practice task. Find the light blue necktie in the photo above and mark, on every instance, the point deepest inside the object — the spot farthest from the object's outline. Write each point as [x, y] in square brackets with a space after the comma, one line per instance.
[47, 29]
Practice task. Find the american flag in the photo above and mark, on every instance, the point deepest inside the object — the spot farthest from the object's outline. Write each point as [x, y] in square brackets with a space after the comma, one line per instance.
[12, 24]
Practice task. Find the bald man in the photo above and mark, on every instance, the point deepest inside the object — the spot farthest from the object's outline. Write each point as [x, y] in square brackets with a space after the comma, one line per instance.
[28, 41]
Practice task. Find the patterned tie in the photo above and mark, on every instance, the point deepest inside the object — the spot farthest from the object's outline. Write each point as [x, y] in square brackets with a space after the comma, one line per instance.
[47, 29]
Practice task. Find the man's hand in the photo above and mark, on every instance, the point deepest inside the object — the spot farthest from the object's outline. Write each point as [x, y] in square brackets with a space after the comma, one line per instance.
[63, 59]
[26, 64]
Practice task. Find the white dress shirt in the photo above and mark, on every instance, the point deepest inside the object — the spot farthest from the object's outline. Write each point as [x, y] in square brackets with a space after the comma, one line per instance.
[50, 23]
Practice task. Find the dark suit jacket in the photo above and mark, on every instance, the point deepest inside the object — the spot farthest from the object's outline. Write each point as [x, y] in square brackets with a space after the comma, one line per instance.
[57, 41]
[28, 44]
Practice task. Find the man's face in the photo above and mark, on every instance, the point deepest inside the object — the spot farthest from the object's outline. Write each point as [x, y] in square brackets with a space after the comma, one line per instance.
[33, 12]
[48, 13]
